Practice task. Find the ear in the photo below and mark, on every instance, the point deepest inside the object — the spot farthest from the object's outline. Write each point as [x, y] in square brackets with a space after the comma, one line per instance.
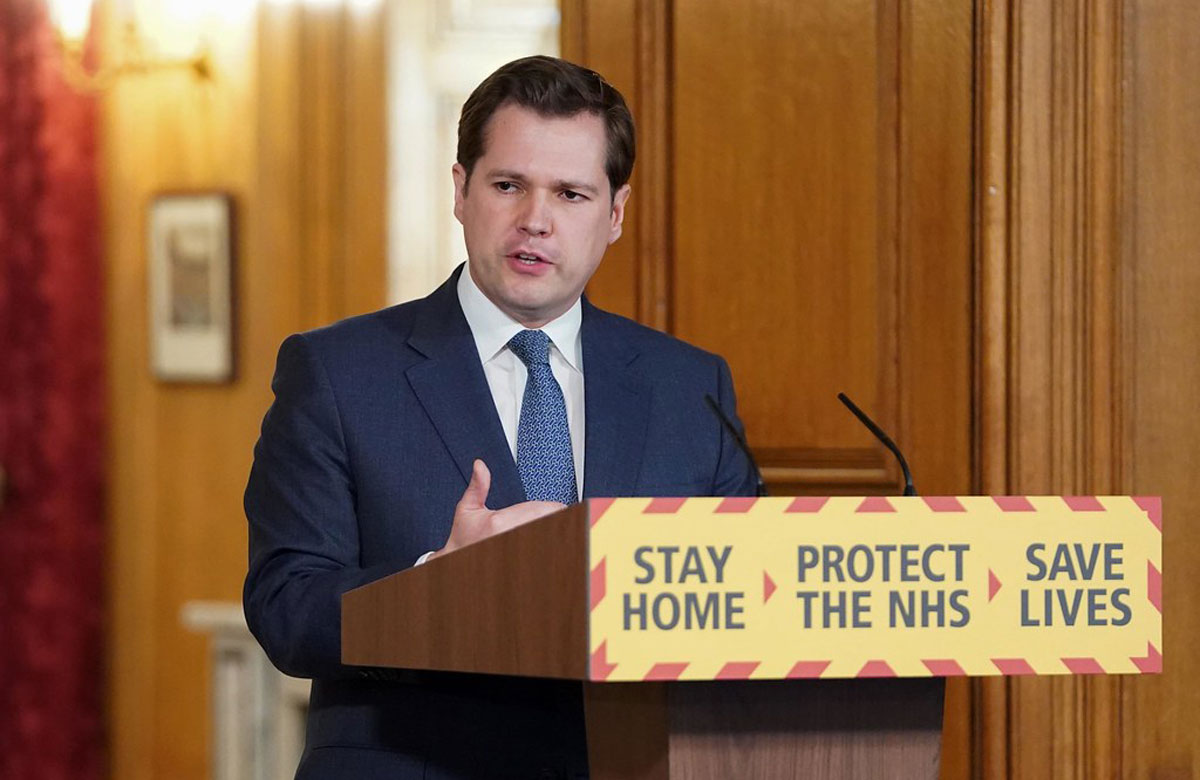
[618, 212]
[460, 189]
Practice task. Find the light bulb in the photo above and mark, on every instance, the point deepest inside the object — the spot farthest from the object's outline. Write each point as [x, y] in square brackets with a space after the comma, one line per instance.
[72, 18]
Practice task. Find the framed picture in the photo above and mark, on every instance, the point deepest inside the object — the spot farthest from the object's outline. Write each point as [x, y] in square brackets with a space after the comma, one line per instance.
[191, 287]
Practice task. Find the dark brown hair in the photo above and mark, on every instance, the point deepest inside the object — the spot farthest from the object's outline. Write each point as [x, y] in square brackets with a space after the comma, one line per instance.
[552, 88]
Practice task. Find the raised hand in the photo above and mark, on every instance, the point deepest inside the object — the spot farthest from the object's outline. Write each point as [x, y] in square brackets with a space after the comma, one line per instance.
[473, 521]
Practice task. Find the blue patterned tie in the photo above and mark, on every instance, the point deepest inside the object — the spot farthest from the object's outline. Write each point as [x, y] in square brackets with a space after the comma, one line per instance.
[544, 457]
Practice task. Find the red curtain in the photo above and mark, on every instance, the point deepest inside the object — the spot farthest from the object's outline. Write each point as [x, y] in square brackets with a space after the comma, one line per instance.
[51, 413]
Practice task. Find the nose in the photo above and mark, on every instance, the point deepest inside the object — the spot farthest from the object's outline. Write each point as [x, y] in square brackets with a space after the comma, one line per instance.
[535, 215]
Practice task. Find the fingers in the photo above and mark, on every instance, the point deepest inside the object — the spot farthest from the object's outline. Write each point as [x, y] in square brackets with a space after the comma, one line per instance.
[519, 514]
[471, 515]
[473, 521]
[541, 508]
[475, 496]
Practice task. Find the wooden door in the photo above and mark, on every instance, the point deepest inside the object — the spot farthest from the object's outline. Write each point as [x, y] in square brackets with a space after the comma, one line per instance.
[802, 205]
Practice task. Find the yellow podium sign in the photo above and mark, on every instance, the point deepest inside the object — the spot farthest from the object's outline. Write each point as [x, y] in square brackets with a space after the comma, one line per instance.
[774, 588]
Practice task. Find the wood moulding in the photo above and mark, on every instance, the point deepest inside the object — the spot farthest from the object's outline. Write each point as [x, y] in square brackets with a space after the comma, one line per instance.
[1051, 326]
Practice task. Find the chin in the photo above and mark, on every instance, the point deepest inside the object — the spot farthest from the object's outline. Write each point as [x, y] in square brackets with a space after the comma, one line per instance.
[527, 310]
[529, 300]
[531, 311]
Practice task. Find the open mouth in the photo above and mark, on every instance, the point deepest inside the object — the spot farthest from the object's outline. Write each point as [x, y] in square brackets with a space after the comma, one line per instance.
[529, 262]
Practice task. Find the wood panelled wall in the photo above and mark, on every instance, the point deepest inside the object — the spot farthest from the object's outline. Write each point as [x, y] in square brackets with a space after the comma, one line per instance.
[802, 206]
[980, 219]
[292, 125]
[1159, 294]
[1050, 326]
[1089, 268]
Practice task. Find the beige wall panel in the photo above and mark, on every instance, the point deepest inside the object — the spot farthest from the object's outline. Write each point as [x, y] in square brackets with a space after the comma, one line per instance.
[167, 132]
[309, 249]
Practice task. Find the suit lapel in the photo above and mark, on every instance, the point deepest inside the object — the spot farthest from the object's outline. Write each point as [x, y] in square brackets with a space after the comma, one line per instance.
[451, 386]
[616, 408]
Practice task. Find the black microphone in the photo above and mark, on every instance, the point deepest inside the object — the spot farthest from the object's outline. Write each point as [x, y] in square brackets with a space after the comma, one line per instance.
[760, 486]
[909, 490]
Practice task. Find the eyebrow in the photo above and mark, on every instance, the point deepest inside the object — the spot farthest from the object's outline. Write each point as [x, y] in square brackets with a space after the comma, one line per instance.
[561, 184]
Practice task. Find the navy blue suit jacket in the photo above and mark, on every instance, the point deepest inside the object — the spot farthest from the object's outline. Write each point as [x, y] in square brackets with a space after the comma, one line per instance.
[363, 455]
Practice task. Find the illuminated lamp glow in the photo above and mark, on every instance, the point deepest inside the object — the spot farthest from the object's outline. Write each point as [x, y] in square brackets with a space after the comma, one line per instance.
[72, 18]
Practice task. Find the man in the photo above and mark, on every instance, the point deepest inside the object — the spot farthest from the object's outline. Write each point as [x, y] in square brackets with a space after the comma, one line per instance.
[405, 434]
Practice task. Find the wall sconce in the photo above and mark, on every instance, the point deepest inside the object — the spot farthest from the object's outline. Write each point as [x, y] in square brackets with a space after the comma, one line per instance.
[72, 21]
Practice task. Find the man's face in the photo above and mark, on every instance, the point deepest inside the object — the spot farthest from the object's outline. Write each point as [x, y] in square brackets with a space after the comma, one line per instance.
[537, 215]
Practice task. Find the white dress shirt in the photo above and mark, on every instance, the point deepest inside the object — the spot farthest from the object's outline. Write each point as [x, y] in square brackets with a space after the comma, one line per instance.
[506, 374]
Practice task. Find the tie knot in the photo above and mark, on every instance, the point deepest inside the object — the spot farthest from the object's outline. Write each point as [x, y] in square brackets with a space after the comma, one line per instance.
[532, 347]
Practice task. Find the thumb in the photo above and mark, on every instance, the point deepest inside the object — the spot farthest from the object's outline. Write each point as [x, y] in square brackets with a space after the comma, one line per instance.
[475, 496]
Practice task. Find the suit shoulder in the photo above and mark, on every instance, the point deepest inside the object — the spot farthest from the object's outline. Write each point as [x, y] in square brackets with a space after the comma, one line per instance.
[386, 326]
[647, 340]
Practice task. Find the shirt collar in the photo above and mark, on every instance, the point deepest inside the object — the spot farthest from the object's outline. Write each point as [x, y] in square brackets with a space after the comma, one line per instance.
[493, 329]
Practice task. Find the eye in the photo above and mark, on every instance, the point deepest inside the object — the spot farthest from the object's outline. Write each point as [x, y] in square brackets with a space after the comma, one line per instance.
[505, 186]
[571, 196]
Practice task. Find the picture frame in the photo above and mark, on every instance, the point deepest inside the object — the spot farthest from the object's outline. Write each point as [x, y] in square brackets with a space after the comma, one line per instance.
[191, 239]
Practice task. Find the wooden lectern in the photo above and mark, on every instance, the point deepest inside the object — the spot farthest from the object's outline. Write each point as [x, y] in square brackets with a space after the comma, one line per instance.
[518, 604]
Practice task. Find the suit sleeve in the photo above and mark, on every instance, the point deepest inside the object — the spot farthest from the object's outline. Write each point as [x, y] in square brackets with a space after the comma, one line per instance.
[735, 473]
[303, 532]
